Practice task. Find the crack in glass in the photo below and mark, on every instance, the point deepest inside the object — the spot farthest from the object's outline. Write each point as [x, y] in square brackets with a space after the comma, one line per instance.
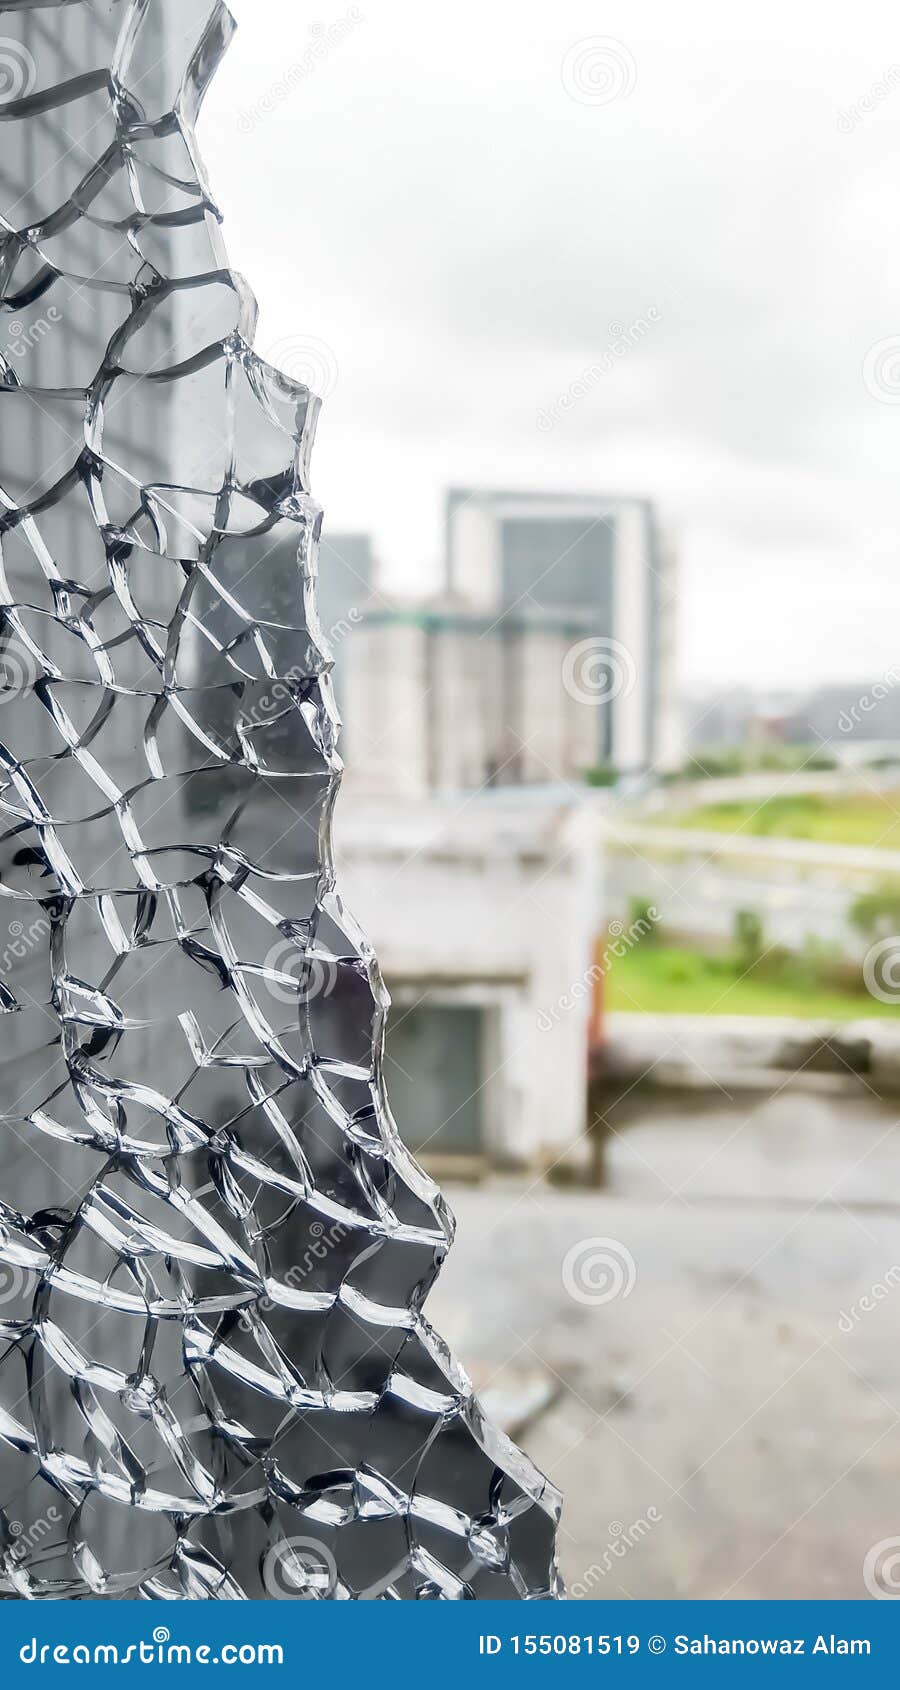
[216, 1376]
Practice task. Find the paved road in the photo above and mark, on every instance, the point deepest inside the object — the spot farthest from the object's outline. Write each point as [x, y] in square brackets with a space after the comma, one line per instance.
[731, 1423]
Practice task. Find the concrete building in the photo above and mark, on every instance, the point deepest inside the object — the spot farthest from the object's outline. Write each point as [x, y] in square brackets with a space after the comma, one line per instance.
[483, 920]
[603, 562]
[437, 699]
[549, 654]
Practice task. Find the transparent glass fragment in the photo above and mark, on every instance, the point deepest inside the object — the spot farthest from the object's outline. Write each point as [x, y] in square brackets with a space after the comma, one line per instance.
[216, 1378]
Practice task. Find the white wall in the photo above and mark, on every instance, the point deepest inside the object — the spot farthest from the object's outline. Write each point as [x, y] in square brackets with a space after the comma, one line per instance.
[489, 904]
[631, 627]
[385, 687]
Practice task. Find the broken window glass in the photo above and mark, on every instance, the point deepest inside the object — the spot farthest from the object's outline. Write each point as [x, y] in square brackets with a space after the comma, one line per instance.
[216, 1376]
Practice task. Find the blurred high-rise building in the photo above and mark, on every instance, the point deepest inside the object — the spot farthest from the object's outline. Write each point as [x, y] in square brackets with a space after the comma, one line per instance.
[603, 562]
[549, 654]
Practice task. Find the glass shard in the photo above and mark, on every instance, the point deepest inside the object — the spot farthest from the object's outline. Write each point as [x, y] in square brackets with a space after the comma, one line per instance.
[216, 1377]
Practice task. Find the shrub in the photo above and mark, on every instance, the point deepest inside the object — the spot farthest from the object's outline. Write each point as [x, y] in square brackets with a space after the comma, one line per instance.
[749, 942]
[643, 915]
[876, 914]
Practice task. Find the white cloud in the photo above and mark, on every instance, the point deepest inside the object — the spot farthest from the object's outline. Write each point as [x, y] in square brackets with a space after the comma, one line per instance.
[462, 234]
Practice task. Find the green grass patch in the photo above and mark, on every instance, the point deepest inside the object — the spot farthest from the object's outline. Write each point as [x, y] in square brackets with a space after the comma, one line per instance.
[858, 819]
[663, 980]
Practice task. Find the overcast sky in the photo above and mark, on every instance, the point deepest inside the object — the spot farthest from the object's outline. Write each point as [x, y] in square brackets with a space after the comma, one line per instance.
[456, 207]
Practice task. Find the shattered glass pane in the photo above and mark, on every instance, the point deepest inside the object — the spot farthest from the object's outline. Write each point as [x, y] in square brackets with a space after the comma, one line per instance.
[216, 1379]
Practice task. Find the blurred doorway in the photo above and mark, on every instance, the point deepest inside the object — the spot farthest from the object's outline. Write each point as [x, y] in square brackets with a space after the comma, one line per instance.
[435, 1073]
